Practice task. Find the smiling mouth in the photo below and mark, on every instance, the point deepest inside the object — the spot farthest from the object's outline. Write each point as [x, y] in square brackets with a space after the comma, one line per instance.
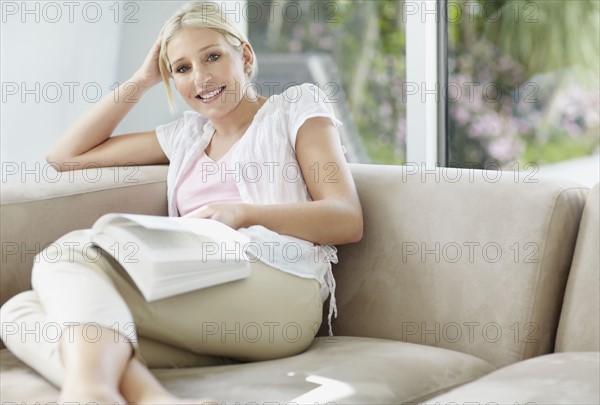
[212, 94]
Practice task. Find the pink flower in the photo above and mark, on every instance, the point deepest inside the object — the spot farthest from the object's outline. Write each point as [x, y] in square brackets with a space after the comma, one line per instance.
[501, 149]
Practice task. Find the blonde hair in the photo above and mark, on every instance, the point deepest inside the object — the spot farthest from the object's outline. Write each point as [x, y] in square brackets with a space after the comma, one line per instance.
[199, 14]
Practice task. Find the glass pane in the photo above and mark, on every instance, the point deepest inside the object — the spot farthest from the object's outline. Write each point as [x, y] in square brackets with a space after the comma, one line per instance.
[354, 50]
[524, 89]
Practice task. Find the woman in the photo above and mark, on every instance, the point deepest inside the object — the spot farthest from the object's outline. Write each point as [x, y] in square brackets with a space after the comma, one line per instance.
[250, 144]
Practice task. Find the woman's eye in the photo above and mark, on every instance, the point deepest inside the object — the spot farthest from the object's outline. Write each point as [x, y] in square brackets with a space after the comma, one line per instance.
[213, 57]
[182, 69]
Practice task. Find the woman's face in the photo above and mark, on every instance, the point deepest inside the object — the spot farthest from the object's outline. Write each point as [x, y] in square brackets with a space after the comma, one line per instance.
[208, 71]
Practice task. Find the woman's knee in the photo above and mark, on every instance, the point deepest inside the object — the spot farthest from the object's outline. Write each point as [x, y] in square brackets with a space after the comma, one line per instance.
[72, 248]
[17, 314]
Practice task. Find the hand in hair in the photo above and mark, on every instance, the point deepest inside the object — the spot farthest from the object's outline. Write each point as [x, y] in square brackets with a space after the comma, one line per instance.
[149, 74]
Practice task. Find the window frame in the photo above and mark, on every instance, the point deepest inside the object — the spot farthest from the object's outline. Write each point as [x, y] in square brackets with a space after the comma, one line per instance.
[426, 76]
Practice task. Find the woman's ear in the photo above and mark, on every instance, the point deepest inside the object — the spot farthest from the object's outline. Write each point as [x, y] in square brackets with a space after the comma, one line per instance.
[247, 55]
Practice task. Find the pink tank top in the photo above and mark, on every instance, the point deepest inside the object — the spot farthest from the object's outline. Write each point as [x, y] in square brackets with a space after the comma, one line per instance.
[208, 181]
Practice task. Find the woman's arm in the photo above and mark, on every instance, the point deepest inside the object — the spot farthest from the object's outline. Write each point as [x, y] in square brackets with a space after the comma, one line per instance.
[88, 140]
[333, 217]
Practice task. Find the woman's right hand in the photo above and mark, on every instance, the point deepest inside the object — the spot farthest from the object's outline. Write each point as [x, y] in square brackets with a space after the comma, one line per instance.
[149, 73]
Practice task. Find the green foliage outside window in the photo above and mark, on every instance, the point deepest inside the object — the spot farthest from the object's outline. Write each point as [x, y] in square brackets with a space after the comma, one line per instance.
[537, 65]
[366, 39]
[536, 62]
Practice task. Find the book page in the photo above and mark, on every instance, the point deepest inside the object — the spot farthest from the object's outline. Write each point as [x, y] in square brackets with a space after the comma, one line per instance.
[160, 237]
[200, 226]
[147, 221]
[213, 229]
[161, 240]
[166, 256]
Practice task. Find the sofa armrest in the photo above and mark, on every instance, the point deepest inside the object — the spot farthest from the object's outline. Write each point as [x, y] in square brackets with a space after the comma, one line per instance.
[38, 208]
[579, 327]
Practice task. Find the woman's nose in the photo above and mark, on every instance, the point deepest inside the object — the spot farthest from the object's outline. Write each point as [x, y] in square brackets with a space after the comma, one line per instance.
[201, 78]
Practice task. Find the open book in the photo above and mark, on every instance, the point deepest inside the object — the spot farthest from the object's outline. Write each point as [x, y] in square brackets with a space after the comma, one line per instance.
[167, 256]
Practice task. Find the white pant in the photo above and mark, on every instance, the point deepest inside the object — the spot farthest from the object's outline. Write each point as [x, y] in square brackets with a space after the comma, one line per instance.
[269, 315]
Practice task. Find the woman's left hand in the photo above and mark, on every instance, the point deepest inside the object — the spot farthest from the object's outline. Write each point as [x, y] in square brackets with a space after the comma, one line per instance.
[231, 214]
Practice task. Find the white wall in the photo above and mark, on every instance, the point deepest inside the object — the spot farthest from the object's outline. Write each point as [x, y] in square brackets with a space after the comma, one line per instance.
[44, 57]
[56, 44]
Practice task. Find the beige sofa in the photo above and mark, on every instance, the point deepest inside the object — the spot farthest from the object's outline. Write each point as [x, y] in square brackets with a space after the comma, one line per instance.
[468, 286]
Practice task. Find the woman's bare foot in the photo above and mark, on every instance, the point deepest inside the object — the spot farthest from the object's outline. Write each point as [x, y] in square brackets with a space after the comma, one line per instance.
[140, 387]
[93, 368]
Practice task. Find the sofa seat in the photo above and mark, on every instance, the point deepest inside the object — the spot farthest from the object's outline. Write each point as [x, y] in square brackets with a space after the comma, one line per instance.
[557, 378]
[349, 370]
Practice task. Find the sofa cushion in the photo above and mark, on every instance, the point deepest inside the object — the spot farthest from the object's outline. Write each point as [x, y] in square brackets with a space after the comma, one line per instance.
[579, 327]
[343, 370]
[469, 260]
[559, 378]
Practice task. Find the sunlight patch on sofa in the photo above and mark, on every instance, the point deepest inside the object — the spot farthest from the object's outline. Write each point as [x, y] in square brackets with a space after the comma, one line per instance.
[329, 391]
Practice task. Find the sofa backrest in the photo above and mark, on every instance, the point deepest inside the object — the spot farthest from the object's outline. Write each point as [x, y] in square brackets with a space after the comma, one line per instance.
[579, 327]
[469, 260]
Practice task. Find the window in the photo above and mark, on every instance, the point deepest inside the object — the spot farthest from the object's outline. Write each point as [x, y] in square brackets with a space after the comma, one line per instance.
[354, 50]
[523, 83]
